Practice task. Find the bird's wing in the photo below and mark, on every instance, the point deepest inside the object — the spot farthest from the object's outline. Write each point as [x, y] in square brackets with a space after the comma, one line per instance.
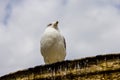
[64, 42]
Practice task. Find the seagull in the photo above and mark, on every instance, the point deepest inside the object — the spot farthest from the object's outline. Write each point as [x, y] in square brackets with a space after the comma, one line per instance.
[53, 45]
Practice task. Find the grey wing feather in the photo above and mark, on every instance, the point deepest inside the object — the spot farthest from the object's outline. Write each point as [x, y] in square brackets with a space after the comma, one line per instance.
[64, 42]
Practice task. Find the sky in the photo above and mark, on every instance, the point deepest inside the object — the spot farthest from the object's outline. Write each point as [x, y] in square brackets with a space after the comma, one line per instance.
[90, 27]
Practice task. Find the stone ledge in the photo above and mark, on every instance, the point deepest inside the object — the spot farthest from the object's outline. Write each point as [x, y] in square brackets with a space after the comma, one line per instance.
[100, 67]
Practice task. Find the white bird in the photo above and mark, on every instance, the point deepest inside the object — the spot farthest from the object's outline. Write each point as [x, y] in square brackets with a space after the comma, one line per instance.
[53, 45]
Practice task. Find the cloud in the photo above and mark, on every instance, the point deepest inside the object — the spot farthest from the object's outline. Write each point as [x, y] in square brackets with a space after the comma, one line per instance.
[2, 9]
[90, 28]
[8, 10]
[87, 22]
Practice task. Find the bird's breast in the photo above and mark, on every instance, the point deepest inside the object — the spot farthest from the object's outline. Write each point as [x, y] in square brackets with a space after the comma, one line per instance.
[50, 39]
[52, 46]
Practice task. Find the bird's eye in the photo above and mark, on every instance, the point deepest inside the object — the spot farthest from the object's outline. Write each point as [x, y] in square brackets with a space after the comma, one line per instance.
[49, 24]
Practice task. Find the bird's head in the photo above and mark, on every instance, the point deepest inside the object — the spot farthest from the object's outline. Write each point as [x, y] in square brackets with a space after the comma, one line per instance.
[54, 25]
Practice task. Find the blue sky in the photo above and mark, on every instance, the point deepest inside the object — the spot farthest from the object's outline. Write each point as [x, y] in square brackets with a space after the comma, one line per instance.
[91, 27]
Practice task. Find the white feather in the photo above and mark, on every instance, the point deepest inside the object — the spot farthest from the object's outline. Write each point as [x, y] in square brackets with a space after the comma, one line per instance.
[52, 46]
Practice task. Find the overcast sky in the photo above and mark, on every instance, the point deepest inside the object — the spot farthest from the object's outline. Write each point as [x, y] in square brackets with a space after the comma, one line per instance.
[91, 27]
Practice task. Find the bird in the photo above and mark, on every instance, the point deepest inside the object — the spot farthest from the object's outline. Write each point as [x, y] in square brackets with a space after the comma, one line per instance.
[53, 44]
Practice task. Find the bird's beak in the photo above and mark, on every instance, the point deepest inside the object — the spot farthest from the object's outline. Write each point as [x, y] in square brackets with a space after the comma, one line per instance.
[56, 24]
